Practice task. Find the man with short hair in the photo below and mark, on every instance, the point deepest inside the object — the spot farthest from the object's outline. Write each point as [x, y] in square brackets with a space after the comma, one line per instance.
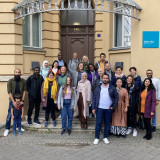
[61, 62]
[16, 85]
[101, 63]
[34, 83]
[104, 101]
[109, 71]
[156, 83]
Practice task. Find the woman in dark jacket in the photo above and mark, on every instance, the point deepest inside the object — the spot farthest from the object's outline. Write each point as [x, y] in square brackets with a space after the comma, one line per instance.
[147, 105]
[137, 79]
[118, 74]
[133, 92]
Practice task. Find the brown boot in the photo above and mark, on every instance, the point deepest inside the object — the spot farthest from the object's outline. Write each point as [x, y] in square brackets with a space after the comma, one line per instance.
[85, 126]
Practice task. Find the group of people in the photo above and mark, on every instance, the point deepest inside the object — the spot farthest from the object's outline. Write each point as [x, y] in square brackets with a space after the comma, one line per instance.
[83, 90]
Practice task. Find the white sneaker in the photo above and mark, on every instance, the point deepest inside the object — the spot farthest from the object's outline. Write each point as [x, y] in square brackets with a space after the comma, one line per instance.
[134, 133]
[129, 130]
[59, 116]
[22, 129]
[6, 132]
[105, 140]
[96, 141]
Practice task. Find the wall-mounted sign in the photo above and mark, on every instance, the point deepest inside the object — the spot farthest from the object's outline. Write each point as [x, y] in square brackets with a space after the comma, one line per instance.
[98, 35]
[150, 39]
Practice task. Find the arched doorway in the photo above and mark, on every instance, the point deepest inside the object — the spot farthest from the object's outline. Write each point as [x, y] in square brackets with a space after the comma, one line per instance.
[77, 31]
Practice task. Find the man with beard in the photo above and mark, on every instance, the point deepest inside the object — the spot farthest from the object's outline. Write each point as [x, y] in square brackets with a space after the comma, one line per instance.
[34, 83]
[156, 83]
[61, 62]
[104, 101]
[16, 85]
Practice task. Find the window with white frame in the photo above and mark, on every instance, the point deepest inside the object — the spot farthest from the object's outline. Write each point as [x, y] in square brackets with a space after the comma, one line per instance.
[32, 31]
[122, 30]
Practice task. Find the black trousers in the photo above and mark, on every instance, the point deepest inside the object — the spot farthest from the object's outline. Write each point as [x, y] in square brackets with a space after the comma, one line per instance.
[147, 122]
[34, 102]
[50, 108]
[131, 119]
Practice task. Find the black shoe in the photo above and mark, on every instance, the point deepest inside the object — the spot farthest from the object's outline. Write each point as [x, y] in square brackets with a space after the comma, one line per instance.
[29, 122]
[69, 132]
[145, 136]
[118, 136]
[124, 136]
[63, 131]
[37, 122]
[154, 129]
[149, 137]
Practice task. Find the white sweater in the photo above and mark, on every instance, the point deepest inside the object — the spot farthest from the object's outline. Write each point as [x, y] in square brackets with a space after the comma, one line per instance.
[156, 83]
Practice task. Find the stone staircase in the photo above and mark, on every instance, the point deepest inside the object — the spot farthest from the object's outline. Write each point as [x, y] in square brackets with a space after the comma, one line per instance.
[75, 123]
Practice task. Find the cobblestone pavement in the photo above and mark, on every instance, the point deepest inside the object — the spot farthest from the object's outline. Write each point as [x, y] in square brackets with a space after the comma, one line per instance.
[48, 144]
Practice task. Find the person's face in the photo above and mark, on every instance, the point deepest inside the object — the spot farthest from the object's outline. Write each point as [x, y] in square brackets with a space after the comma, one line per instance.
[68, 81]
[118, 71]
[55, 65]
[133, 72]
[102, 58]
[36, 71]
[105, 79]
[108, 66]
[17, 72]
[85, 59]
[46, 64]
[51, 76]
[147, 83]
[84, 77]
[63, 70]
[81, 66]
[129, 80]
[91, 68]
[100, 72]
[75, 55]
[119, 83]
[59, 56]
[149, 74]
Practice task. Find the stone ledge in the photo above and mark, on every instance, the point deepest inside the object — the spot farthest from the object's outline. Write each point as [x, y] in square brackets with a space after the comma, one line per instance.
[6, 78]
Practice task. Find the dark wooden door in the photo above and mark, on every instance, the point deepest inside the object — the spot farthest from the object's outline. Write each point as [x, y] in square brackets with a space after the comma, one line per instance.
[78, 39]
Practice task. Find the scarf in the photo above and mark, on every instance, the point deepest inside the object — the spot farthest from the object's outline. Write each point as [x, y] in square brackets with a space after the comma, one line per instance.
[118, 91]
[53, 88]
[130, 92]
[93, 77]
[119, 75]
[135, 76]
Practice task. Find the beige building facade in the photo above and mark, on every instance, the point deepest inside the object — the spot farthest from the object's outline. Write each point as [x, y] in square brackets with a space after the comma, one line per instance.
[14, 54]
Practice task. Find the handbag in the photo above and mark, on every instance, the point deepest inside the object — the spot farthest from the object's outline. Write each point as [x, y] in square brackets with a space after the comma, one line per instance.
[141, 124]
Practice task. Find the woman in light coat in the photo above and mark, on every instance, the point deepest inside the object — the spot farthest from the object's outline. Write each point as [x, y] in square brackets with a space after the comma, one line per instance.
[44, 69]
[84, 98]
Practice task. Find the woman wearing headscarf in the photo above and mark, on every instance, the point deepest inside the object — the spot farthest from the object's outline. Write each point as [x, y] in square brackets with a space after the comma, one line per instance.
[84, 98]
[44, 69]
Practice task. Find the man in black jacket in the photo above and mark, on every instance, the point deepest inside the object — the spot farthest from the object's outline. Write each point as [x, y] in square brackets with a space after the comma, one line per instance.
[34, 83]
[109, 71]
[104, 101]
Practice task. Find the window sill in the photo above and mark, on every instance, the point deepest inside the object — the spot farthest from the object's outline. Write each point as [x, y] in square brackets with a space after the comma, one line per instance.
[119, 48]
[33, 49]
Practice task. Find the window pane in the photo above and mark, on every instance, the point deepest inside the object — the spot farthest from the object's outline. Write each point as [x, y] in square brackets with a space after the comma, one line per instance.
[118, 30]
[36, 30]
[26, 31]
[91, 17]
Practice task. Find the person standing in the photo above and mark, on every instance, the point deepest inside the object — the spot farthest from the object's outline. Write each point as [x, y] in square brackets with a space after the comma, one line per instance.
[55, 69]
[48, 97]
[118, 74]
[104, 101]
[73, 63]
[85, 62]
[137, 79]
[61, 62]
[147, 105]
[84, 98]
[16, 85]
[17, 114]
[102, 62]
[67, 102]
[44, 69]
[34, 83]
[119, 117]
[133, 92]
[156, 83]
[109, 71]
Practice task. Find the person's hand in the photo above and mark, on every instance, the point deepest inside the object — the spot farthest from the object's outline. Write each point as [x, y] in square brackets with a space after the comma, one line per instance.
[94, 111]
[74, 109]
[59, 108]
[126, 109]
[22, 116]
[43, 100]
[157, 102]
[88, 102]
[21, 103]
[15, 104]
[111, 108]
[12, 117]
[152, 113]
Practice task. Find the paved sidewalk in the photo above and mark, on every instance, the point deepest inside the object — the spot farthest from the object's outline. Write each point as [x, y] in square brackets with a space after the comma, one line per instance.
[49, 145]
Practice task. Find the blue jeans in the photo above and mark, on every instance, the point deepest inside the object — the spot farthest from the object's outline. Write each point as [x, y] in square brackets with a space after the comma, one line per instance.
[101, 114]
[154, 120]
[67, 111]
[17, 122]
[8, 119]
